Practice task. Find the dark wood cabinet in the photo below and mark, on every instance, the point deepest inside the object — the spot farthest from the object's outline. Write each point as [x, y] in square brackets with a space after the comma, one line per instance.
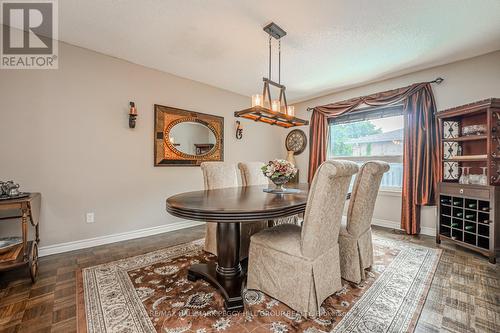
[469, 214]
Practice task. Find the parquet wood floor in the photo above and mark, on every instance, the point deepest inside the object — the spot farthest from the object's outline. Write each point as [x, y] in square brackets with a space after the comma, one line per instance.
[464, 296]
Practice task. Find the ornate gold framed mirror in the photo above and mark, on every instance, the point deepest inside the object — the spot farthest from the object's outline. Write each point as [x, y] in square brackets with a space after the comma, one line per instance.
[187, 138]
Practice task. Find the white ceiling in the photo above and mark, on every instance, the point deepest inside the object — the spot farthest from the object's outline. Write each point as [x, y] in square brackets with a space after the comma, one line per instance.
[331, 44]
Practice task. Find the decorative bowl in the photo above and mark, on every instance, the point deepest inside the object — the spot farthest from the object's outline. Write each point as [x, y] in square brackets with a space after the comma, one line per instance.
[7, 243]
[280, 181]
[473, 130]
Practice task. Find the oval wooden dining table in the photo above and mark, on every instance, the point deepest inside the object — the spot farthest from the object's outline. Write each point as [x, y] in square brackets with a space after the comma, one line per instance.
[228, 207]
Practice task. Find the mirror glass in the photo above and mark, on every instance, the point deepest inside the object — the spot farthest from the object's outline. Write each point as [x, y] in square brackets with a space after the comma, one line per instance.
[192, 138]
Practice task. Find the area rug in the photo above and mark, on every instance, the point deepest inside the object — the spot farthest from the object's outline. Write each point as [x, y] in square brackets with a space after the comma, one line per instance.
[151, 293]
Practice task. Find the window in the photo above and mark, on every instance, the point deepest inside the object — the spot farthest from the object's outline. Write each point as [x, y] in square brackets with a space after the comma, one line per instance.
[371, 135]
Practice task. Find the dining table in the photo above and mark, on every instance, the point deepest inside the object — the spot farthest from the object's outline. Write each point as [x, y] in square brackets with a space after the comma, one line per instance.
[229, 207]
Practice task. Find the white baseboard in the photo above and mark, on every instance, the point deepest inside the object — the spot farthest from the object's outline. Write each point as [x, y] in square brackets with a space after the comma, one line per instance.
[428, 231]
[101, 240]
[396, 225]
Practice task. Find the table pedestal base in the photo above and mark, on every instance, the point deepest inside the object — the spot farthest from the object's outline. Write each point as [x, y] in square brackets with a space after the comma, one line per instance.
[227, 275]
[231, 288]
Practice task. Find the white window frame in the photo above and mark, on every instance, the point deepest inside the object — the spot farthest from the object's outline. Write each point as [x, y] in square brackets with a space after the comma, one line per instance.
[363, 115]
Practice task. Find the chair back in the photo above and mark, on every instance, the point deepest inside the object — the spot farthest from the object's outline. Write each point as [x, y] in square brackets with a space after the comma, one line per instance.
[327, 196]
[363, 196]
[219, 175]
[251, 173]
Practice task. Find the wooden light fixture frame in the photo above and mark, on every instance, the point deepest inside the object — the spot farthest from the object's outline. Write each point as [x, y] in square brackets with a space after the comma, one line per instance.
[267, 115]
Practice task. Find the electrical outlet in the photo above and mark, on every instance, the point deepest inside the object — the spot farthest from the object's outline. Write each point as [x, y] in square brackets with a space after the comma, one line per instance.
[90, 218]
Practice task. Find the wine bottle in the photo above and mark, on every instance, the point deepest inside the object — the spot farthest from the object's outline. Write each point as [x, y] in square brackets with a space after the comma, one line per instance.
[469, 227]
[485, 209]
[472, 205]
[469, 216]
[456, 203]
[454, 225]
[459, 214]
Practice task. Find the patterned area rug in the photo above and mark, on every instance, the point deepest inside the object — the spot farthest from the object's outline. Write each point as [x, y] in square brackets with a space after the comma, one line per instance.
[150, 293]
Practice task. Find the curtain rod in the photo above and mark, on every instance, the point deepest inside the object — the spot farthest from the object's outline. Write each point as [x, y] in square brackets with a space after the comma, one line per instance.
[437, 80]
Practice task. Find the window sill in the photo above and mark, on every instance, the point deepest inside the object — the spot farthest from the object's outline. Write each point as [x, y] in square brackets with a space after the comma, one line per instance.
[390, 192]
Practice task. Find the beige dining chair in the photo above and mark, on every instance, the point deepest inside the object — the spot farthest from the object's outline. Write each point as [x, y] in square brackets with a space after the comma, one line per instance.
[300, 266]
[221, 175]
[355, 239]
[251, 174]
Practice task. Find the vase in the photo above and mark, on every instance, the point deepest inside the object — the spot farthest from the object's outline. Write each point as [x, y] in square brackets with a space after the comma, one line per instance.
[280, 181]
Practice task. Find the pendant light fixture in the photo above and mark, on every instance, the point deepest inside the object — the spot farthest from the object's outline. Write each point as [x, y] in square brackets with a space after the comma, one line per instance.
[264, 108]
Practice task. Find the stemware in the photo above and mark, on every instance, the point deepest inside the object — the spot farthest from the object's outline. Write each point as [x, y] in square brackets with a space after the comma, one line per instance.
[467, 175]
[463, 177]
[484, 177]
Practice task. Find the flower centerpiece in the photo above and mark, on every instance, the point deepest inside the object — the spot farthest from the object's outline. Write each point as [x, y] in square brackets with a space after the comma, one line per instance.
[280, 172]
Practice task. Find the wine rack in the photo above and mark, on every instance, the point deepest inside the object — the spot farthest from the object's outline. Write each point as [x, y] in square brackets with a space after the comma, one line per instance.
[467, 215]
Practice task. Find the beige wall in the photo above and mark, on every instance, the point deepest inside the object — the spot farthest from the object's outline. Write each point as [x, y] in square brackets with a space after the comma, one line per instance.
[465, 81]
[65, 133]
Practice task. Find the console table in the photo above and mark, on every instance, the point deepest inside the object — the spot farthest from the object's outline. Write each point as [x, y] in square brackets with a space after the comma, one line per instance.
[25, 254]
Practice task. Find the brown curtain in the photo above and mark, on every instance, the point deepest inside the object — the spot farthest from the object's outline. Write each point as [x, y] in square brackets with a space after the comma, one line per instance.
[421, 146]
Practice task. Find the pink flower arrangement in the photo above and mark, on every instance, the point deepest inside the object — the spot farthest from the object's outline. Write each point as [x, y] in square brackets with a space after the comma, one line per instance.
[279, 169]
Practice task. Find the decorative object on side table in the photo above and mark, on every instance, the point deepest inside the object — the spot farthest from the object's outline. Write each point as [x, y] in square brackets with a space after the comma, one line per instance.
[280, 172]
[10, 190]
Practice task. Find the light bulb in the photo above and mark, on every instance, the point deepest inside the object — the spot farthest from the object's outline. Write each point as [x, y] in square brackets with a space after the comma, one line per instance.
[257, 100]
[275, 105]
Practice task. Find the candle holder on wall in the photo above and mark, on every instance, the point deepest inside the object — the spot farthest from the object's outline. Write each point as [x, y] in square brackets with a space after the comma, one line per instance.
[239, 130]
[132, 115]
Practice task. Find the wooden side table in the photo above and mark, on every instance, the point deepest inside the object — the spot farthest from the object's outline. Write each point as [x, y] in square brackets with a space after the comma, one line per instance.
[25, 254]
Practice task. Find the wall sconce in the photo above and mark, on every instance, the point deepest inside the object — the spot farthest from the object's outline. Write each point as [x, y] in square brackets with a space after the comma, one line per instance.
[132, 115]
[239, 130]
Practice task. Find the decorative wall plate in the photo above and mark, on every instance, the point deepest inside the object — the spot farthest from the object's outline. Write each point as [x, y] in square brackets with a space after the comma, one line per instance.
[451, 129]
[450, 171]
[450, 149]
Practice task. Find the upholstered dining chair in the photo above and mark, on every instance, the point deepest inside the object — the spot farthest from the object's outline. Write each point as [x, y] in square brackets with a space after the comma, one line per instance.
[221, 175]
[355, 239]
[251, 174]
[300, 266]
